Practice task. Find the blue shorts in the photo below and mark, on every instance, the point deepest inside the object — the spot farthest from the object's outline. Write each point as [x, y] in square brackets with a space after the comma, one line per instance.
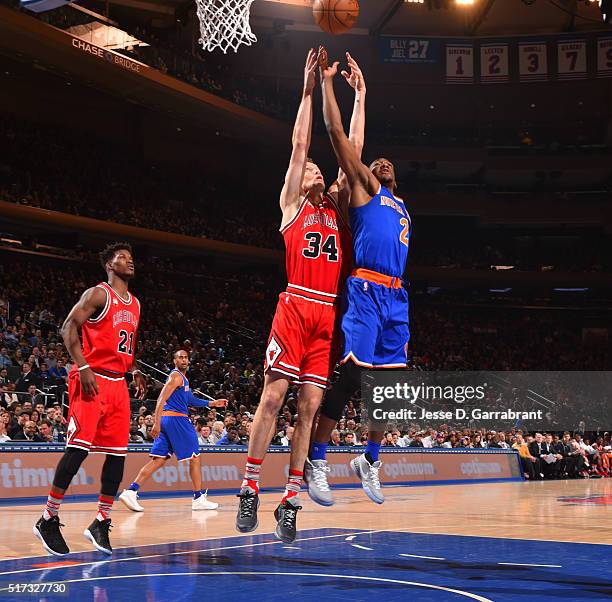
[177, 436]
[375, 324]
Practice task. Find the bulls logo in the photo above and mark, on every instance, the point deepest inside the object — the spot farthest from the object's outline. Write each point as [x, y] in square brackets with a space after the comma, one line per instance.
[72, 429]
[273, 351]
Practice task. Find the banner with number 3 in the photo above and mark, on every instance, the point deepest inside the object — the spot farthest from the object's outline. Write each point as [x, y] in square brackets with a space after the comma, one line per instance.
[533, 63]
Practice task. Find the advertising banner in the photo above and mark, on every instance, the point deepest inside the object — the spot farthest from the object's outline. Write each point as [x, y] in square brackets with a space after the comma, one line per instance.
[30, 474]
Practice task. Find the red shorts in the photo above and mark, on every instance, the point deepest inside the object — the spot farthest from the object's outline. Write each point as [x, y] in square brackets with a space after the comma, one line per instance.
[99, 424]
[303, 344]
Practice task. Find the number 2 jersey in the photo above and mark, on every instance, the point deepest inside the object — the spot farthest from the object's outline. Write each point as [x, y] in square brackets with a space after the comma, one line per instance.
[303, 344]
[109, 338]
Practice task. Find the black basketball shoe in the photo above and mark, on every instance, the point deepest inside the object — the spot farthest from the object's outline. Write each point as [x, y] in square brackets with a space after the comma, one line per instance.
[97, 533]
[48, 531]
[246, 519]
[286, 515]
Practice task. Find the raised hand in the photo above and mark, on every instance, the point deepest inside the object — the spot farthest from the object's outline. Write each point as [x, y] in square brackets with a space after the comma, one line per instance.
[309, 71]
[325, 70]
[218, 403]
[355, 77]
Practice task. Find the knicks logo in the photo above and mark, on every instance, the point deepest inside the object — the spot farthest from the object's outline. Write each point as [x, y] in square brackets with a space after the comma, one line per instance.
[273, 351]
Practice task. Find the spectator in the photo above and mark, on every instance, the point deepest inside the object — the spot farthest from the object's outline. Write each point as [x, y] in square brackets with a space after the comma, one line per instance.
[35, 397]
[58, 373]
[28, 432]
[528, 462]
[5, 360]
[286, 438]
[536, 449]
[26, 379]
[135, 435]
[218, 431]
[3, 434]
[17, 424]
[203, 431]
[417, 441]
[349, 439]
[45, 430]
[335, 440]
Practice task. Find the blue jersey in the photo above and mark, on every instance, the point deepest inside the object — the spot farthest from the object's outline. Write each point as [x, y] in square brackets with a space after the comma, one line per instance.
[381, 233]
[182, 397]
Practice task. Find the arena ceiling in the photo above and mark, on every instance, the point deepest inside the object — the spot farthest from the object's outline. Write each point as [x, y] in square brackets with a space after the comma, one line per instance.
[395, 17]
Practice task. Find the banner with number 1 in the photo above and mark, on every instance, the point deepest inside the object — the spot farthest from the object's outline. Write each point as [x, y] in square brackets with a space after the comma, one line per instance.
[460, 63]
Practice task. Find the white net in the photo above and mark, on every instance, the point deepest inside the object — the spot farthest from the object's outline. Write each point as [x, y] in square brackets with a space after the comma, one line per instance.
[225, 24]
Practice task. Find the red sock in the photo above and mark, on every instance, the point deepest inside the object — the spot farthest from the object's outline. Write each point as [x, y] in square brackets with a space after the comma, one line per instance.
[251, 473]
[105, 504]
[53, 504]
[294, 484]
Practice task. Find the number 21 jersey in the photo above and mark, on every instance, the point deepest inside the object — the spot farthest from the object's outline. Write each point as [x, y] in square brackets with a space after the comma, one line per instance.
[109, 338]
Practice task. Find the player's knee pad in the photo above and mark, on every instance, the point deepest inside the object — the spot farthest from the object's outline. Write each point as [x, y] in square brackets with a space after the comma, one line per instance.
[342, 390]
[68, 466]
[112, 473]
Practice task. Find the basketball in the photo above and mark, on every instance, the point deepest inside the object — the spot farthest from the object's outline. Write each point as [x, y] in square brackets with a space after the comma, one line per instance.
[335, 16]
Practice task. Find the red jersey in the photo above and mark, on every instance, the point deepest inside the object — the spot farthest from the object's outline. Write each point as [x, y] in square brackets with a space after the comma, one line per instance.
[318, 251]
[109, 339]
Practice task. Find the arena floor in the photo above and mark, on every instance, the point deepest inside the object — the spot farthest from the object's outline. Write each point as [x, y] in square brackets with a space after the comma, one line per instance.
[502, 541]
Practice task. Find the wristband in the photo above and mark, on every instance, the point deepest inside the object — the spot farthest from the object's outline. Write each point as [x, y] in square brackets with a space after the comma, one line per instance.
[84, 367]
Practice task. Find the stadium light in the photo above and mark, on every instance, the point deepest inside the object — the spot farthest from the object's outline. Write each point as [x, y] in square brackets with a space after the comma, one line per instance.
[465, 2]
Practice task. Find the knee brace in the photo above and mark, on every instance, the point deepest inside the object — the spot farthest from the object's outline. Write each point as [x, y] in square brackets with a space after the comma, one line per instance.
[68, 466]
[112, 473]
[342, 391]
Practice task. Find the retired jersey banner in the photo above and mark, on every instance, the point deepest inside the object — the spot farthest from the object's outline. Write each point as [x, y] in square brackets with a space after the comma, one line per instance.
[604, 57]
[494, 63]
[572, 59]
[460, 63]
[409, 50]
[533, 61]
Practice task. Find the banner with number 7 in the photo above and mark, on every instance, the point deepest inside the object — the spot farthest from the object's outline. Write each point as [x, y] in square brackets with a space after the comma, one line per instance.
[572, 59]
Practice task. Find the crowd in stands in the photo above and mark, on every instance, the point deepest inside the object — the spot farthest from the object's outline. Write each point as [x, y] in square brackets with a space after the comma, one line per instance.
[107, 186]
[111, 185]
[226, 335]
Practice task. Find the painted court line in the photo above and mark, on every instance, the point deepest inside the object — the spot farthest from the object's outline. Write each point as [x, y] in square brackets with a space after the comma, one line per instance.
[356, 545]
[250, 545]
[426, 557]
[277, 574]
[350, 538]
[550, 566]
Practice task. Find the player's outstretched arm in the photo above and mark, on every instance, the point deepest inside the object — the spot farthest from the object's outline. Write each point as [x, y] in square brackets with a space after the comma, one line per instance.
[361, 181]
[356, 80]
[302, 129]
[174, 382]
[196, 402]
[92, 301]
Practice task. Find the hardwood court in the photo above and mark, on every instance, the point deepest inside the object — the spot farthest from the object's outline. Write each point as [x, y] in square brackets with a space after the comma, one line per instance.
[456, 541]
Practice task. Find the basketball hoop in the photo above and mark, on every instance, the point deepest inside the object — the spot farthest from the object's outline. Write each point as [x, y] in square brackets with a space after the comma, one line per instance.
[225, 24]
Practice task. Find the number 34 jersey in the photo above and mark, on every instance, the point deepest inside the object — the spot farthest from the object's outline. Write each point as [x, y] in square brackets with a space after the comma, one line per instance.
[109, 338]
[318, 251]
